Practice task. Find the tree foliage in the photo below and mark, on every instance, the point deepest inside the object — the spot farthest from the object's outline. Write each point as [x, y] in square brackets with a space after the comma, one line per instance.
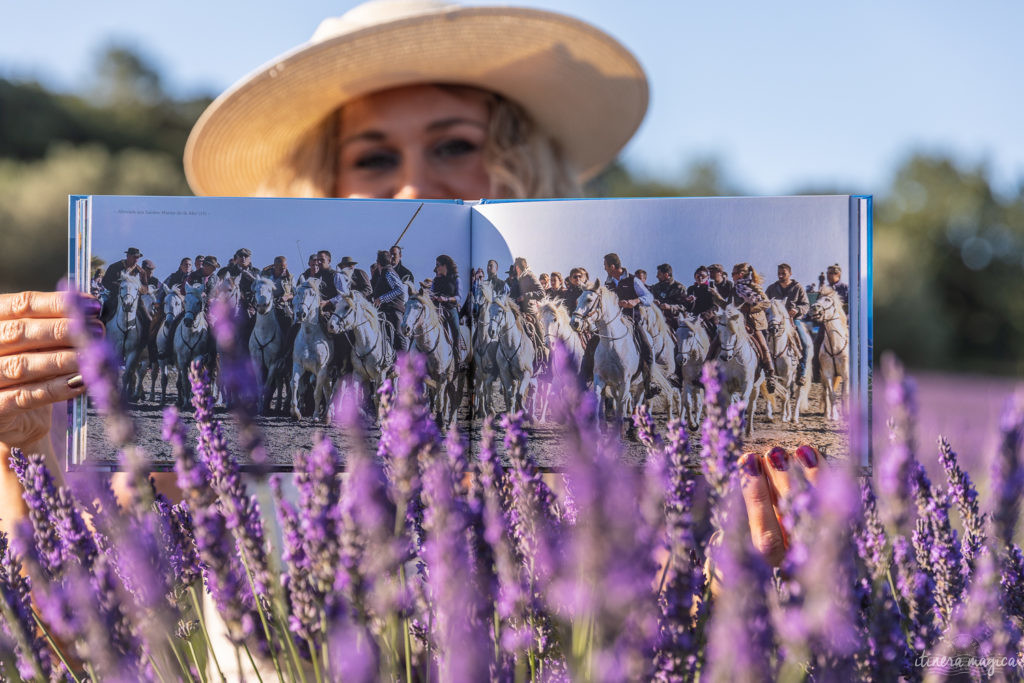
[949, 250]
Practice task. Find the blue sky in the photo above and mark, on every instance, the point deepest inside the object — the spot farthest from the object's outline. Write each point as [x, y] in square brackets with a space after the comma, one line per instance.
[787, 95]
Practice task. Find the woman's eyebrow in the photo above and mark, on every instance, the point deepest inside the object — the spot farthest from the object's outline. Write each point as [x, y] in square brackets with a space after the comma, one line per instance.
[366, 135]
[441, 124]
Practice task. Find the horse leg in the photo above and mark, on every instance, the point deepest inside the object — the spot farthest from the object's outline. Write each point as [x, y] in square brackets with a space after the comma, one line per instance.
[296, 390]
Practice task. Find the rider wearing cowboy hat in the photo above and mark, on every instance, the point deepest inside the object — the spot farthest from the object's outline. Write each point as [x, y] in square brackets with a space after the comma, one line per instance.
[111, 282]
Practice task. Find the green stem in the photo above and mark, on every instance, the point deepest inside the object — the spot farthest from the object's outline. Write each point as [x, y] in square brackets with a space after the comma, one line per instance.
[292, 651]
[53, 643]
[21, 637]
[255, 668]
[195, 660]
[181, 662]
[664, 572]
[156, 669]
[315, 659]
[206, 634]
[263, 617]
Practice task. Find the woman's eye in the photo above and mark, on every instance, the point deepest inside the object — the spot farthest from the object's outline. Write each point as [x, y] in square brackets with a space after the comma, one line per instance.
[455, 147]
[376, 161]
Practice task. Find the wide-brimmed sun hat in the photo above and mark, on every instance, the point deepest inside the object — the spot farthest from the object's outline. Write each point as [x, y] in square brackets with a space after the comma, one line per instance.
[580, 85]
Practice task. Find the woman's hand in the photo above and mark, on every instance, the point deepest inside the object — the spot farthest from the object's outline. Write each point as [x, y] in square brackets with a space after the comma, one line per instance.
[768, 479]
[38, 364]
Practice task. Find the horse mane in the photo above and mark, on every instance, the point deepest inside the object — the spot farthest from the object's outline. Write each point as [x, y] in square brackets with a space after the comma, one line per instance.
[554, 305]
[660, 323]
[505, 301]
[364, 304]
[423, 297]
[828, 291]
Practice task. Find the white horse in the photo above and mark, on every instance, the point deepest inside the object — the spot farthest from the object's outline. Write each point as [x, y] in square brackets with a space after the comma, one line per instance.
[694, 344]
[556, 326]
[266, 343]
[423, 326]
[834, 355]
[516, 353]
[124, 333]
[663, 349]
[312, 352]
[151, 310]
[191, 339]
[173, 309]
[485, 351]
[372, 354]
[784, 345]
[739, 362]
[617, 374]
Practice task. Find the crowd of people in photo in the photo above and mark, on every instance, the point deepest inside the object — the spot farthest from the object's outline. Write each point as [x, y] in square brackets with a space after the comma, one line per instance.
[389, 282]
[711, 290]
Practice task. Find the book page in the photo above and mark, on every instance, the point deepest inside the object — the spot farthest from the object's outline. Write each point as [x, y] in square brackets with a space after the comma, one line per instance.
[807, 233]
[301, 364]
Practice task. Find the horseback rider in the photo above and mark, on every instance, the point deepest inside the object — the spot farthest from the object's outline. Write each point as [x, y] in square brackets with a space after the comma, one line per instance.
[498, 285]
[284, 291]
[699, 301]
[404, 274]
[206, 275]
[573, 288]
[632, 294]
[389, 296]
[150, 284]
[669, 295]
[831, 277]
[178, 277]
[446, 292]
[751, 300]
[242, 269]
[797, 306]
[112, 279]
[526, 291]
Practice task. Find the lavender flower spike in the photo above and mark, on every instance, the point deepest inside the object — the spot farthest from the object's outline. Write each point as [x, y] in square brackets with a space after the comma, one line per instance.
[1008, 472]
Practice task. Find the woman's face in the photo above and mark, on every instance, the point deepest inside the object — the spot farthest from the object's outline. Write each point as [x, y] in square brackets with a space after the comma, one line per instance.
[440, 269]
[414, 142]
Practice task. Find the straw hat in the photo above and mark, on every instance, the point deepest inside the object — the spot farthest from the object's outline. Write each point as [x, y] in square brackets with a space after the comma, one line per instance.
[579, 84]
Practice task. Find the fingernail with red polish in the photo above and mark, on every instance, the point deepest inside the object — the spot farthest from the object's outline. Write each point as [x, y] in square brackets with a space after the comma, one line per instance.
[808, 455]
[777, 458]
[76, 382]
[751, 464]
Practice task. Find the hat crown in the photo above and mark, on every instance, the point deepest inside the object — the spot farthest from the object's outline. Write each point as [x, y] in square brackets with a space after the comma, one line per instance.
[373, 13]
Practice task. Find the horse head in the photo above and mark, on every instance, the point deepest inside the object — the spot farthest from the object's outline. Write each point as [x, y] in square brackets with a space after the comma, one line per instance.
[777, 316]
[497, 312]
[416, 307]
[195, 302]
[306, 304]
[826, 306]
[731, 329]
[263, 295]
[343, 317]
[174, 302]
[587, 305]
[129, 290]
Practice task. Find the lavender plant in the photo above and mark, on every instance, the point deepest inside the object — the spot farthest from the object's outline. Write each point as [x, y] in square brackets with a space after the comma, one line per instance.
[426, 561]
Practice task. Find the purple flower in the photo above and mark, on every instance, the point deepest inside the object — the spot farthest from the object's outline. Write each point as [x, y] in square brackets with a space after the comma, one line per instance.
[304, 602]
[721, 432]
[241, 511]
[936, 544]
[238, 377]
[820, 591]
[1008, 472]
[31, 651]
[40, 494]
[99, 364]
[741, 640]
[963, 494]
[1012, 582]
[461, 635]
[871, 539]
[896, 464]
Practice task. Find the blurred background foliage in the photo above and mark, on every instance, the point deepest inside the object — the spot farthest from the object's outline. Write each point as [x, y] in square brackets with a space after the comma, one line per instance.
[948, 250]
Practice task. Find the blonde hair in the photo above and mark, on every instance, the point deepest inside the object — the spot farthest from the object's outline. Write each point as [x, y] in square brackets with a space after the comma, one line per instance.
[521, 161]
[747, 270]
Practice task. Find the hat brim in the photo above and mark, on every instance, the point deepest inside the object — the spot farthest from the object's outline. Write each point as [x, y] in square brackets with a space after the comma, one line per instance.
[579, 85]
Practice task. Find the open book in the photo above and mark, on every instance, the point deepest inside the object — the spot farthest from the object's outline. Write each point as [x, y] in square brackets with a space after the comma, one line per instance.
[472, 288]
